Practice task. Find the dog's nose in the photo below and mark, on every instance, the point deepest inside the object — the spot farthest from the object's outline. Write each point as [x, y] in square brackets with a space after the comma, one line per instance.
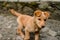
[43, 26]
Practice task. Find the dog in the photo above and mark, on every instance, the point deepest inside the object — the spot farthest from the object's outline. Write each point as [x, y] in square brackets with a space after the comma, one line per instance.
[30, 23]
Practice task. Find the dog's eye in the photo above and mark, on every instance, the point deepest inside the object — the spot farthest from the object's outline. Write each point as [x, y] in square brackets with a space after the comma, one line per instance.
[39, 19]
[44, 19]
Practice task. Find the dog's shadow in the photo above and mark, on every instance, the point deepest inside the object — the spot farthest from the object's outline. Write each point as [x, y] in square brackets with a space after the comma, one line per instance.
[32, 35]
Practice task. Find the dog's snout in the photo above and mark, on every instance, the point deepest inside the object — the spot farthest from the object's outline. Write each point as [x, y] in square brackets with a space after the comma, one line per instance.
[43, 26]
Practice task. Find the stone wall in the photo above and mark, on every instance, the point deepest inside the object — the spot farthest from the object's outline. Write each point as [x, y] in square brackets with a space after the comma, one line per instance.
[20, 0]
[29, 8]
[28, 0]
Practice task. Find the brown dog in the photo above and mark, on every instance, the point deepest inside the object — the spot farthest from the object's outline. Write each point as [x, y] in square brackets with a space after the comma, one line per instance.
[29, 23]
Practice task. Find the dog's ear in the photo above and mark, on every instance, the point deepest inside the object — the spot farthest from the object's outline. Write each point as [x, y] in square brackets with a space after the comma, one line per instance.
[37, 13]
[47, 14]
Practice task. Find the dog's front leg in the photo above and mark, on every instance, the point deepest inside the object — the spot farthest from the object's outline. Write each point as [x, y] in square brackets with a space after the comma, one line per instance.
[27, 35]
[36, 35]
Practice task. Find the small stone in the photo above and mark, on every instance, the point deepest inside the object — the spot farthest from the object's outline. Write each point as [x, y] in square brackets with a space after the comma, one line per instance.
[52, 33]
[0, 35]
[58, 33]
[8, 38]
[49, 38]
[18, 38]
[43, 5]
[28, 10]
[9, 26]
[14, 38]
[46, 29]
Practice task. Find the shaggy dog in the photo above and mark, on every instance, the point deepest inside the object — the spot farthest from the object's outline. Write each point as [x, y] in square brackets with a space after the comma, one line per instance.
[30, 23]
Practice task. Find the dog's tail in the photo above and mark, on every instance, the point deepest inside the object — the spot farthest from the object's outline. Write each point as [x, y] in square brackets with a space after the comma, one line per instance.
[14, 12]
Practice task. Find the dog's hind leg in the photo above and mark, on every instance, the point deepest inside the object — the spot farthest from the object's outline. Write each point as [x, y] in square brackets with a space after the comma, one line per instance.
[19, 31]
[27, 35]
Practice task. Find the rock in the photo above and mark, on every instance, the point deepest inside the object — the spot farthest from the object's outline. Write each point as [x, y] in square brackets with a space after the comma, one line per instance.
[52, 38]
[58, 33]
[1, 36]
[18, 38]
[49, 38]
[14, 38]
[46, 29]
[19, 7]
[43, 5]
[43, 35]
[51, 9]
[28, 10]
[11, 5]
[9, 26]
[58, 37]
[54, 25]
[8, 38]
[55, 15]
[52, 33]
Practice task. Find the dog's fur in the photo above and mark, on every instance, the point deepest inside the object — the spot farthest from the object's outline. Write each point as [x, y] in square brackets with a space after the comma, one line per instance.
[29, 23]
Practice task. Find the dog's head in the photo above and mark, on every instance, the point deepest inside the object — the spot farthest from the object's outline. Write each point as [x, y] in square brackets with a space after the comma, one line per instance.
[41, 17]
